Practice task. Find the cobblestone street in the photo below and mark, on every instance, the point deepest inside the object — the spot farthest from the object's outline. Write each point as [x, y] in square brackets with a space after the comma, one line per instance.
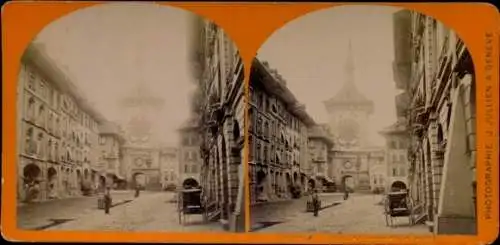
[359, 214]
[152, 211]
[265, 214]
[39, 215]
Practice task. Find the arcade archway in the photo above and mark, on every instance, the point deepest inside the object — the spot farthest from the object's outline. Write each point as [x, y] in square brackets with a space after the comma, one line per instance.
[51, 182]
[78, 179]
[31, 176]
[261, 185]
[139, 180]
[31, 173]
[347, 183]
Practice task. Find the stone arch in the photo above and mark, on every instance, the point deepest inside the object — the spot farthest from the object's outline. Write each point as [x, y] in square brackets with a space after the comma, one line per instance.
[398, 185]
[31, 172]
[312, 184]
[190, 183]
[138, 179]
[52, 185]
[295, 177]
[31, 177]
[288, 183]
[262, 180]
[345, 182]
[79, 179]
[66, 181]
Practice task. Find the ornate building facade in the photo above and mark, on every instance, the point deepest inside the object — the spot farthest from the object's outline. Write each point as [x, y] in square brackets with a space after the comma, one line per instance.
[169, 165]
[218, 112]
[278, 141]
[396, 155]
[57, 131]
[435, 70]
[110, 164]
[190, 161]
[322, 172]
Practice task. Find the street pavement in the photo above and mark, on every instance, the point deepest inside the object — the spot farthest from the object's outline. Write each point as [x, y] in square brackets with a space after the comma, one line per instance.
[361, 213]
[39, 215]
[276, 212]
[149, 212]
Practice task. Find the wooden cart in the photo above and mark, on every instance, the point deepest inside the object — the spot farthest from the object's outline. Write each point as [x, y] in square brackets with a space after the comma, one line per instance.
[189, 203]
[398, 204]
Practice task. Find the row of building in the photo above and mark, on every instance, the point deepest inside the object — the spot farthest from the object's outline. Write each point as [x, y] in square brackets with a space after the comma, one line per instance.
[291, 154]
[66, 147]
[435, 71]
[217, 127]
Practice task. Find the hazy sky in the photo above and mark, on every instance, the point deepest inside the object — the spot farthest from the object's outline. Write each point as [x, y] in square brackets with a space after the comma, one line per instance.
[109, 49]
[311, 51]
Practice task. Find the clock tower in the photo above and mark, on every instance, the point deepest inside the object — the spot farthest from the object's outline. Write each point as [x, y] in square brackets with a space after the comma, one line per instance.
[141, 153]
[349, 111]
[141, 126]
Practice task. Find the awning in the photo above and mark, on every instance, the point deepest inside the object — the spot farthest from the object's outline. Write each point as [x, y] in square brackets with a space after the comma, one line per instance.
[324, 178]
[119, 177]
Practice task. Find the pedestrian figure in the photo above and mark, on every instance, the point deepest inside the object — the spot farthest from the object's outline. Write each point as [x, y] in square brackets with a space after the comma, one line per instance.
[137, 190]
[346, 193]
[315, 202]
[107, 200]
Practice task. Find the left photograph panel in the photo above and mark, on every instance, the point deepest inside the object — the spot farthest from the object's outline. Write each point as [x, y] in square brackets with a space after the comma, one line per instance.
[130, 118]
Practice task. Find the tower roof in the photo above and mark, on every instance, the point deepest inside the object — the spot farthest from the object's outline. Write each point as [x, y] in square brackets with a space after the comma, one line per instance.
[349, 93]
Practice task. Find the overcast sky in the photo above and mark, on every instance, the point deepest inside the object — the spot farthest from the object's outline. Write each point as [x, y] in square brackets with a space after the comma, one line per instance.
[109, 49]
[311, 51]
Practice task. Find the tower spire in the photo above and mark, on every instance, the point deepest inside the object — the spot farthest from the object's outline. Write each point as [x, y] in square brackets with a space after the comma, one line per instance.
[349, 66]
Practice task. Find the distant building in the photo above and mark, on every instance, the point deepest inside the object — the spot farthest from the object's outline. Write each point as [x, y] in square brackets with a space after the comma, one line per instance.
[435, 70]
[190, 161]
[111, 142]
[278, 126]
[169, 166]
[396, 149]
[57, 131]
[320, 144]
[378, 170]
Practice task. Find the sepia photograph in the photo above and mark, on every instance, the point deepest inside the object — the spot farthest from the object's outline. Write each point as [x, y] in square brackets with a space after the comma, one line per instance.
[362, 121]
[131, 118]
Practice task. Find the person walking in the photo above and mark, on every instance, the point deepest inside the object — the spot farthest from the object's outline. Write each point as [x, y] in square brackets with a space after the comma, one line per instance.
[346, 193]
[137, 190]
[316, 203]
[107, 200]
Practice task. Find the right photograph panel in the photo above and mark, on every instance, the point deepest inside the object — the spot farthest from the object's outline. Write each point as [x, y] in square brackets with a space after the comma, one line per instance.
[362, 121]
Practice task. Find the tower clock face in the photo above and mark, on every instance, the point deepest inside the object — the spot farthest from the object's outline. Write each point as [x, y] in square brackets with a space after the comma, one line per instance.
[347, 165]
[348, 130]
